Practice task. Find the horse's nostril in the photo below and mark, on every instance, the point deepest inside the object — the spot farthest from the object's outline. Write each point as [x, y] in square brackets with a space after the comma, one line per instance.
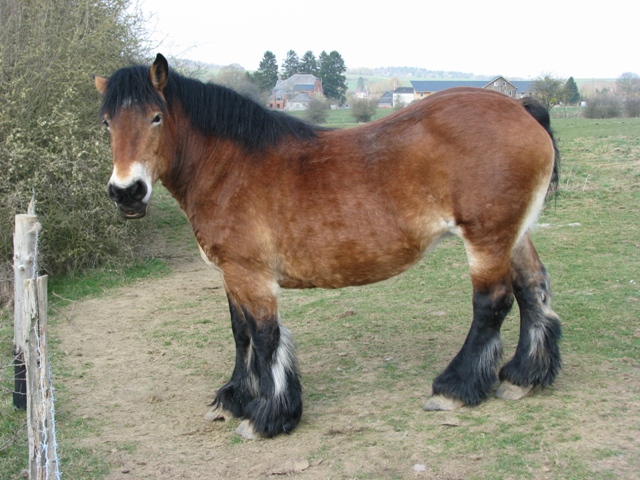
[138, 190]
[115, 193]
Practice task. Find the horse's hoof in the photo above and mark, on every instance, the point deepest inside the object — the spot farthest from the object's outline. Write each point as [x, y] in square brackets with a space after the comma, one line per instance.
[439, 402]
[246, 430]
[218, 413]
[510, 391]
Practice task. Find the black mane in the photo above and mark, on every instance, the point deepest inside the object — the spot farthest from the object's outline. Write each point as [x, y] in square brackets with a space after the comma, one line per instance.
[213, 109]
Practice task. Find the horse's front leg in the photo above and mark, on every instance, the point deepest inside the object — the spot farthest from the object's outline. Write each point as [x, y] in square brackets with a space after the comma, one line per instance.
[232, 399]
[265, 387]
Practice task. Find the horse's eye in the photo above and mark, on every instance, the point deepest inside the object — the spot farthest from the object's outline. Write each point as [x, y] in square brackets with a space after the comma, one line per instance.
[105, 122]
[157, 119]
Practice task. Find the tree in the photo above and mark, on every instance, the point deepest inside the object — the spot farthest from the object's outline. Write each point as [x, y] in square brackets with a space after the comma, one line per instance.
[309, 64]
[291, 65]
[50, 141]
[235, 77]
[332, 68]
[363, 109]
[628, 87]
[548, 89]
[267, 74]
[571, 94]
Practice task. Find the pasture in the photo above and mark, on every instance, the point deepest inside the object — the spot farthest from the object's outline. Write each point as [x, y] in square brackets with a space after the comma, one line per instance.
[137, 364]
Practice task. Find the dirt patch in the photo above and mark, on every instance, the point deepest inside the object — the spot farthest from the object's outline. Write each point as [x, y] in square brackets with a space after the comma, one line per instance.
[142, 363]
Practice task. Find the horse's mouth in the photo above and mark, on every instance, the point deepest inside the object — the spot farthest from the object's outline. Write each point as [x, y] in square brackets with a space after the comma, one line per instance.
[132, 213]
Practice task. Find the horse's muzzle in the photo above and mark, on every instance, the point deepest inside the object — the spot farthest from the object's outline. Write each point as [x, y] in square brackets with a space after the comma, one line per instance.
[129, 200]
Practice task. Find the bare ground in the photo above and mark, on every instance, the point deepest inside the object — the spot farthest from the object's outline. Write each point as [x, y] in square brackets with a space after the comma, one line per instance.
[143, 362]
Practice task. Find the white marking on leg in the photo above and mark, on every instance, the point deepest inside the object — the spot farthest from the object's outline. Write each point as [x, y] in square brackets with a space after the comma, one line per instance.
[253, 382]
[284, 362]
[490, 354]
[537, 334]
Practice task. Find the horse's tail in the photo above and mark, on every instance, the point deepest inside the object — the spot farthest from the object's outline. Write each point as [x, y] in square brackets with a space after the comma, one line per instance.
[541, 114]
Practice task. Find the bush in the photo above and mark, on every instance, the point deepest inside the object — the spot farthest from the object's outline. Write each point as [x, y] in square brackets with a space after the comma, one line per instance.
[632, 107]
[603, 105]
[318, 110]
[50, 143]
[363, 110]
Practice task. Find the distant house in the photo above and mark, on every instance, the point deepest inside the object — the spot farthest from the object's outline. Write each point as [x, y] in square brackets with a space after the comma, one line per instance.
[513, 89]
[403, 96]
[291, 88]
[386, 100]
[299, 102]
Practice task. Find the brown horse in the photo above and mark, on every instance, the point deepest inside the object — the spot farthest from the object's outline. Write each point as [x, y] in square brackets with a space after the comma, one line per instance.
[275, 202]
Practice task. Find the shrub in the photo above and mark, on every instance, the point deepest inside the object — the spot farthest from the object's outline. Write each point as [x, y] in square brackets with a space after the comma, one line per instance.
[363, 110]
[603, 105]
[318, 110]
[632, 106]
[50, 143]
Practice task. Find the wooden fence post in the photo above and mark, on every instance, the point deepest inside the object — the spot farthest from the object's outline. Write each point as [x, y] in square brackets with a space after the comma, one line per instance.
[24, 267]
[43, 459]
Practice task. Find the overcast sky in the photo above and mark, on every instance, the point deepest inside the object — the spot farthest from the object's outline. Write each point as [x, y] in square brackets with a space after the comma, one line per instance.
[515, 39]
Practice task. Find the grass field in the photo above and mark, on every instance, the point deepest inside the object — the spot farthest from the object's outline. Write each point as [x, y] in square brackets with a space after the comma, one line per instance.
[389, 340]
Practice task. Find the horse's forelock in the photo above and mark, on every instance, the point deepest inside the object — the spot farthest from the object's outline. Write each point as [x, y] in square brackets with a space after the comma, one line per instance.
[130, 87]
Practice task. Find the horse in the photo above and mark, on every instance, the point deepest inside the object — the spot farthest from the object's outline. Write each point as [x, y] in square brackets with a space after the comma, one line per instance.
[275, 202]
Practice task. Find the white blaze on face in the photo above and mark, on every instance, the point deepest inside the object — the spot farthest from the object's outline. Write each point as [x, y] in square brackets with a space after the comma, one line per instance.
[137, 171]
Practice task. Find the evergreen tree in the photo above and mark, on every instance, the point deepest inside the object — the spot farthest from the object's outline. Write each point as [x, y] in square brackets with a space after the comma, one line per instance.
[331, 70]
[267, 74]
[308, 64]
[291, 65]
[571, 92]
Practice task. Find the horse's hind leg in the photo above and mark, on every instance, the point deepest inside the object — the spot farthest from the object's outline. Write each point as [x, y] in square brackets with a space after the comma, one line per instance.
[469, 377]
[537, 358]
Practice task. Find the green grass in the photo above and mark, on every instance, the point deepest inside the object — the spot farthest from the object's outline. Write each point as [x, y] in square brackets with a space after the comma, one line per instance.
[392, 338]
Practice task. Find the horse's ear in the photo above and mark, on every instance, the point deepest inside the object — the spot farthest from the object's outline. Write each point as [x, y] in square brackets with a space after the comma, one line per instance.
[101, 84]
[159, 72]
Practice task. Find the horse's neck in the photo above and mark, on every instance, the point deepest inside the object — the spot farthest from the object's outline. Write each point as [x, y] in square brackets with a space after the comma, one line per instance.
[202, 168]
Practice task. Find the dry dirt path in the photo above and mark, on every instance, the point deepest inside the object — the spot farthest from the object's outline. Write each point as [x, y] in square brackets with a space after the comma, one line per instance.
[146, 391]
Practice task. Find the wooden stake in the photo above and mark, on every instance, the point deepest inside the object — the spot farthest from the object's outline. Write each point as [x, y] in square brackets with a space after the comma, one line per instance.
[24, 262]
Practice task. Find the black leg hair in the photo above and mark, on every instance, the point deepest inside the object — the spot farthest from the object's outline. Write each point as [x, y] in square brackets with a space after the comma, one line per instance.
[236, 394]
[537, 359]
[471, 374]
[278, 406]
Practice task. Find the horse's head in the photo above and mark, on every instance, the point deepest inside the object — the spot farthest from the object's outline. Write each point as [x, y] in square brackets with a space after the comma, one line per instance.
[134, 111]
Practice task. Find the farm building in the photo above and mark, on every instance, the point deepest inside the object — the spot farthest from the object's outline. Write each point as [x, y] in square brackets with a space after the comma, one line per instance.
[294, 93]
[513, 89]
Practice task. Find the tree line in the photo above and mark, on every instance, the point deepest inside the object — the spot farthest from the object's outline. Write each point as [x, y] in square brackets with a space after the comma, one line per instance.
[329, 67]
[622, 100]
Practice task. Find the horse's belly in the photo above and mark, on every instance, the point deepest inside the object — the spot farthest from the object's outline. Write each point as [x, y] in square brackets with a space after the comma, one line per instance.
[343, 265]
